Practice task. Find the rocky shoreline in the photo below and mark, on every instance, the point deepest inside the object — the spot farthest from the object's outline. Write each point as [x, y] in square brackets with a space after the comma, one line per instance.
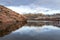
[38, 19]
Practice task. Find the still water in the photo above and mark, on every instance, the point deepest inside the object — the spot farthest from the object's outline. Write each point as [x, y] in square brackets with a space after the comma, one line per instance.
[45, 32]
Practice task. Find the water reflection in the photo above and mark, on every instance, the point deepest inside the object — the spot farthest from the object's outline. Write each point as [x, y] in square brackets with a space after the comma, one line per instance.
[41, 23]
[45, 32]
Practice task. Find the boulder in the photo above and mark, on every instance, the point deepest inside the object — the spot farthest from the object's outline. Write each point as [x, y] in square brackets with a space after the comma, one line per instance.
[10, 20]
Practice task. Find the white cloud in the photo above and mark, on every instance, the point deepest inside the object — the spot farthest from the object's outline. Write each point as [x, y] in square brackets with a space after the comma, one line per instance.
[33, 9]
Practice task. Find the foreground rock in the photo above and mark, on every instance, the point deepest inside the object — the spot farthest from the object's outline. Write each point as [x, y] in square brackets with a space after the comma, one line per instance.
[10, 20]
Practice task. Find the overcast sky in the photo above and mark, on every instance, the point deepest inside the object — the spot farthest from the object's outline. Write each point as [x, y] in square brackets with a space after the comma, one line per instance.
[33, 6]
[54, 4]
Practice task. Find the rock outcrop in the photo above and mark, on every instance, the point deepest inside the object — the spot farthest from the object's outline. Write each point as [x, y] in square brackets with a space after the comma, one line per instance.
[10, 20]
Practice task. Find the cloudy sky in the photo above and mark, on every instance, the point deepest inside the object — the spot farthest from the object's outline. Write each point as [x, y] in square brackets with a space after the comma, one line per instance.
[32, 5]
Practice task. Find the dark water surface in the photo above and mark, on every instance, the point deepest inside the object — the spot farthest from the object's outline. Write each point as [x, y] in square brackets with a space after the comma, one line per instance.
[45, 32]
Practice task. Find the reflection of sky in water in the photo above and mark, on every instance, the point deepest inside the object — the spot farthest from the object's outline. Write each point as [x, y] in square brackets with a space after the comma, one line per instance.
[34, 6]
[34, 33]
[37, 29]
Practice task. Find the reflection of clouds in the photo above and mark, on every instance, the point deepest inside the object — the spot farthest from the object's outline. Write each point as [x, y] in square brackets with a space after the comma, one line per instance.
[34, 33]
[49, 28]
[33, 29]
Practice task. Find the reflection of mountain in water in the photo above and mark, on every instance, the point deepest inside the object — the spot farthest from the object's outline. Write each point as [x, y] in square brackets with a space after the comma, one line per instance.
[38, 30]
[41, 23]
[34, 33]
